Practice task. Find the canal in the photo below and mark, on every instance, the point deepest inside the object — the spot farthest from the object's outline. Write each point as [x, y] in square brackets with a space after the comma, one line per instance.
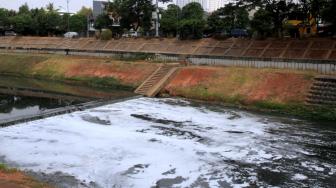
[171, 142]
[22, 97]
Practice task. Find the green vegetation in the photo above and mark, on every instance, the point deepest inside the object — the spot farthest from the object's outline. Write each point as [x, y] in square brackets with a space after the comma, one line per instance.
[131, 14]
[37, 66]
[4, 168]
[296, 109]
[170, 20]
[300, 110]
[227, 18]
[109, 82]
[42, 21]
[106, 34]
[271, 18]
[262, 23]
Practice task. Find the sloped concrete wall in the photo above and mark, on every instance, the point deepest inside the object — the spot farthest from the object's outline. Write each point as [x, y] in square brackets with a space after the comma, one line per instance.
[312, 49]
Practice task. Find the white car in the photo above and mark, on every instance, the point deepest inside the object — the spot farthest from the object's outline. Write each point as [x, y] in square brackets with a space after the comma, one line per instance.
[71, 35]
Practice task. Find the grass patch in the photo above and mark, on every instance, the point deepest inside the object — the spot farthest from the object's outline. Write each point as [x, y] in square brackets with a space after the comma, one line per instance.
[109, 82]
[293, 108]
[19, 64]
[5, 169]
[300, 110]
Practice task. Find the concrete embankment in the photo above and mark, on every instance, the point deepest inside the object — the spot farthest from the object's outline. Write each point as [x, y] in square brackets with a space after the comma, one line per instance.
[307, 49]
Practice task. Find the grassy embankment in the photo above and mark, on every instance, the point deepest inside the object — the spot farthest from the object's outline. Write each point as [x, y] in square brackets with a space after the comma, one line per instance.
[13, 178]
[275, 90]
[281, 91]
[103, 72]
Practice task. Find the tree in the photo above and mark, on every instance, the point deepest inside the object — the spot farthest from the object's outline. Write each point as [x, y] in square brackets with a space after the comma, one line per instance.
[22, 23]
[39, 21]
[170, 19]
[53, 21]
[24, 9]
[192, 23]
[102, 21]
[262, 23]
[278, 10]
[65, 22]
[133, 14]
[328, 14]
[78, 23]
[227, 18]
[4, 19]
[84, 11]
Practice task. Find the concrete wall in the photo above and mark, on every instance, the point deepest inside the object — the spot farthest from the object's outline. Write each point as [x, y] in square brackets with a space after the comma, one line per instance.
[311, 54]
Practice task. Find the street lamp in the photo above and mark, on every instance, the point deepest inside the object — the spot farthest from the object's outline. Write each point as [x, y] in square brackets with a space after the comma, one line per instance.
[157, 19]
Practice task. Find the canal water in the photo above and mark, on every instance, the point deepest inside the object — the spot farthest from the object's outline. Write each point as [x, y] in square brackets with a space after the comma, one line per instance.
[24, 97]
[170, 142]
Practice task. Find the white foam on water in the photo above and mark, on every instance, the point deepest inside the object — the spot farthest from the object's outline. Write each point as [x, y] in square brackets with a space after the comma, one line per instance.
[135, 152]
[299, 177]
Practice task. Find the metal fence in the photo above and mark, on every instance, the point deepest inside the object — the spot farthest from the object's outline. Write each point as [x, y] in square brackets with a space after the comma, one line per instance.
[320, 66]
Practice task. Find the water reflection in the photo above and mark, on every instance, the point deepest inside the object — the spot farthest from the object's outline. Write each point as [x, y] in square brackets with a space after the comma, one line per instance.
[22, 96]
[13, 106]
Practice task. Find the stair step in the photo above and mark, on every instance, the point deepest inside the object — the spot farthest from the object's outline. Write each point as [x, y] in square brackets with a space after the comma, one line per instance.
[326, 78]
[331, 103]
[323, 88]
[153, 80]
[319, 83]
[322, 93]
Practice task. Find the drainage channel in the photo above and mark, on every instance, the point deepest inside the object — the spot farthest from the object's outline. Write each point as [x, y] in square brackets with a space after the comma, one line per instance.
[62, 110]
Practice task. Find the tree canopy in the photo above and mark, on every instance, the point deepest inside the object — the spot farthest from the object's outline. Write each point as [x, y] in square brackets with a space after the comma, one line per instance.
[192, 21]
[227, 18]
[170, 20]
[271, 18]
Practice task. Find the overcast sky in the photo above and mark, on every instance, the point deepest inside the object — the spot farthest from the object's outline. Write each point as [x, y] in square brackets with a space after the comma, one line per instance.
[74, 5]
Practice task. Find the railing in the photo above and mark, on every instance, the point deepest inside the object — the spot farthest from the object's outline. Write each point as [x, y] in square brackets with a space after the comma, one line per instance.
[320, 66]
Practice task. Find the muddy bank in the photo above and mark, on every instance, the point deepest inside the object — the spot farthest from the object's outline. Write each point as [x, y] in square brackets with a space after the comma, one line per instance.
[13, 178]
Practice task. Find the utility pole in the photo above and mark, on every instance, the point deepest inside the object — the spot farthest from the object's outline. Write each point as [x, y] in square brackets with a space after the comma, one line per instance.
[68, 15]
[157, 19]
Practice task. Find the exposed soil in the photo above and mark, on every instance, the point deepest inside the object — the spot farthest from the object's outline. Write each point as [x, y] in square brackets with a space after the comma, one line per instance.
[244, 84]
[17, 179]
[76, 67]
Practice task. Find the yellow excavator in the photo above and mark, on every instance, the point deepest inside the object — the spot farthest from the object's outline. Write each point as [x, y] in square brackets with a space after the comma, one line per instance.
[302, 28]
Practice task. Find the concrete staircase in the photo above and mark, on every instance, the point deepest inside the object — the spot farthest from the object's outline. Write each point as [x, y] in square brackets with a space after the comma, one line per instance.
[156, 81]
[323, 91]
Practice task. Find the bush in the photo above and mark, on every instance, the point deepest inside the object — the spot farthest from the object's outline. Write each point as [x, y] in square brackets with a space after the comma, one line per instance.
[106, 34]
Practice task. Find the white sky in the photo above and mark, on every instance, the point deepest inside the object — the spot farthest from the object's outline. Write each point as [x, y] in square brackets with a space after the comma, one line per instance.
[74, 5]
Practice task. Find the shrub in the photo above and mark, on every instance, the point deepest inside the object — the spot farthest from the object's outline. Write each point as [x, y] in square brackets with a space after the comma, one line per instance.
[106, 34]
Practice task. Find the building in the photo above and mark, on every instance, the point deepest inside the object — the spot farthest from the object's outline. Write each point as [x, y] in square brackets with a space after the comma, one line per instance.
[208, 5]
[182, 3]
[216, 4]
[98, 7]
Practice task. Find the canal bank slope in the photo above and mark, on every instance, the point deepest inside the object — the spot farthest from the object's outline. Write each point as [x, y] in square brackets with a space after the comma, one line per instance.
[12, 178]
[278, 90]
[103, 72]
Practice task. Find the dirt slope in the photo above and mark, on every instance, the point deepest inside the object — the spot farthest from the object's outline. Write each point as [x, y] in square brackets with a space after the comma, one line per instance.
[243, 85]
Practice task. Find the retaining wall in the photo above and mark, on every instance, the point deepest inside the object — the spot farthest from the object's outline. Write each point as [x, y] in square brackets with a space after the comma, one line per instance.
[310, 54]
